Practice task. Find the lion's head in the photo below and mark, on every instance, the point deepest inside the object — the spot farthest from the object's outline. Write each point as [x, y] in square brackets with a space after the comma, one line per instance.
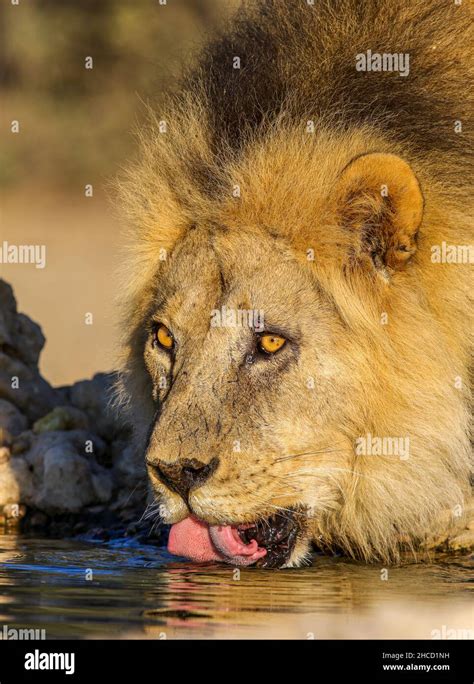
[290, 362]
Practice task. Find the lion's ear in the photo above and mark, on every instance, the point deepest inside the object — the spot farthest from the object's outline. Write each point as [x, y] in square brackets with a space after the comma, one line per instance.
[379, 200]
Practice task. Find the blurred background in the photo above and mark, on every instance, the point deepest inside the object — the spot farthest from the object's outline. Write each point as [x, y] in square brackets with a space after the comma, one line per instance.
[76, 130]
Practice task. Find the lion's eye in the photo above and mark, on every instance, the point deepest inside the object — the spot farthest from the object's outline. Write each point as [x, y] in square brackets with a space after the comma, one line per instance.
[269, 344]
[164, 337]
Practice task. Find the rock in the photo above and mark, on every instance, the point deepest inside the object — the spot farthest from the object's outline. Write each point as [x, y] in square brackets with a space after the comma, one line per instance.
[94, 397]
[17, 332]
[21, 443]
[38, 519]
[66, 482]
[65, 478]
[7, 315]
[130, 476]
[25, 388]
[32, 340]
[129, 467]
[15, 511]
[21, 342]
[63, 482]
[81, 442]
[62, 418]
[96, 509]
[103, 484]
[16, 482]
[11, 418]
[6, 438]
[76, 458]
[4, 454]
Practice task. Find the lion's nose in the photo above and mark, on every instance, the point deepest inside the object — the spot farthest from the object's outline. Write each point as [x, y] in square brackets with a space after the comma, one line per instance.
[183, 476]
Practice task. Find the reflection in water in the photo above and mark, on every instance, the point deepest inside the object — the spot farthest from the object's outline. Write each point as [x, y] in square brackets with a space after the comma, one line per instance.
[77, 589]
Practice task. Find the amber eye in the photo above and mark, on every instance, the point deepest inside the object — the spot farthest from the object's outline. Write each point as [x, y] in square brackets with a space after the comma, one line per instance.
[269, 344]
[164, 337]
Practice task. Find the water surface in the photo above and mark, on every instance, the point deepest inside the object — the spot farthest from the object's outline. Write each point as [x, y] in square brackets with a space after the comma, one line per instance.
[80, 589]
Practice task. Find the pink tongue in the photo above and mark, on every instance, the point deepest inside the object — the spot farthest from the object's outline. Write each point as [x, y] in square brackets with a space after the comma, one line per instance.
[198, 541]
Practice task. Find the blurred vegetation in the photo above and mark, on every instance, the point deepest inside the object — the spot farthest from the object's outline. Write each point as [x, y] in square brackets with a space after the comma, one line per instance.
[76, 123]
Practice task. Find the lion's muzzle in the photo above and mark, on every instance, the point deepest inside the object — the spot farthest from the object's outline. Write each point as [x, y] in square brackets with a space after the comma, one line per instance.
[184, 475]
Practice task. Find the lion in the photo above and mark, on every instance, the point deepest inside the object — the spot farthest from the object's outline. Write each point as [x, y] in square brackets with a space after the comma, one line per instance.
[297, 342]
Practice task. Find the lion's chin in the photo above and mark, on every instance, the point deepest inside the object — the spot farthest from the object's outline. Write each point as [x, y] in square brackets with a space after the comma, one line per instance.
[267, 543]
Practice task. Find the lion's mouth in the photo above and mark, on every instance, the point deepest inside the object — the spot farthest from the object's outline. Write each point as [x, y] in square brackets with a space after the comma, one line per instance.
[267, 543]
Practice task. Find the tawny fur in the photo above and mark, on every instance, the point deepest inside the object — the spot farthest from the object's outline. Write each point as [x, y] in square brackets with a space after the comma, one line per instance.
[237, 177]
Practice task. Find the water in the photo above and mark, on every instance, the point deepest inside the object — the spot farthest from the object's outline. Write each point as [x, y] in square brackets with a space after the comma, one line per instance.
[141, 591]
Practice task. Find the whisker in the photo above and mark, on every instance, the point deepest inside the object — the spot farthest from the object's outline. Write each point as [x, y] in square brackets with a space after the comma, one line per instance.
[307, 453]
[140, 484]
[315, 471]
